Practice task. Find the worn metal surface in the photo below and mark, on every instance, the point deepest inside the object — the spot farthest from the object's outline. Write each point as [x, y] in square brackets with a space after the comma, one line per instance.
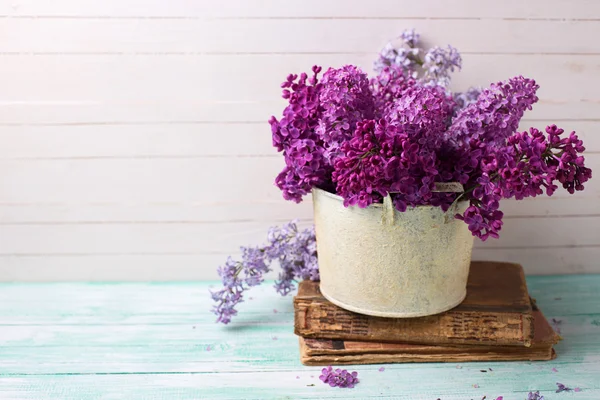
[379, 261]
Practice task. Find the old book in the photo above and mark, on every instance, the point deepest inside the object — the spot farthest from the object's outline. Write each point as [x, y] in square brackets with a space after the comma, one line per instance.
[496, 311]
[338, 352]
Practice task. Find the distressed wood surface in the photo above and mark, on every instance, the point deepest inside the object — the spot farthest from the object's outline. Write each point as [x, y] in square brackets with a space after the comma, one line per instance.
[159, 341]
[134, 141]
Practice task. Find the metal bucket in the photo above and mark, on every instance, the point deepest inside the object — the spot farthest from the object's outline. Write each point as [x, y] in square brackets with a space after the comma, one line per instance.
[379, 261]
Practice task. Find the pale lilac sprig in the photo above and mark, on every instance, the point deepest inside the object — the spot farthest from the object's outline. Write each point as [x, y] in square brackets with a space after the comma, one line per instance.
[563, 388]
[432, 67]
[439, 64]
[410, 37]
[296, 252]
[408, 59]
[535, 396]
[339, 377]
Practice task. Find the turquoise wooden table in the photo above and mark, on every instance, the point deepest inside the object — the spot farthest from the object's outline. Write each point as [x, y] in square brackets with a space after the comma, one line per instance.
[159, 341]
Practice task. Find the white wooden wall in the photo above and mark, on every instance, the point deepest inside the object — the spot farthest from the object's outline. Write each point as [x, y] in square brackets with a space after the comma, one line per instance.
[133, 135]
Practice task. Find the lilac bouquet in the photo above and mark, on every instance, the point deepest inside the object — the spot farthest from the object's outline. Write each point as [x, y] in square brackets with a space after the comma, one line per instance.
[402, 133]
[295, 251]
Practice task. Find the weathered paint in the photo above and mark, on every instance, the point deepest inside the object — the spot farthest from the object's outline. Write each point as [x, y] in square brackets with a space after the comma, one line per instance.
[379, 261]
[159, 341]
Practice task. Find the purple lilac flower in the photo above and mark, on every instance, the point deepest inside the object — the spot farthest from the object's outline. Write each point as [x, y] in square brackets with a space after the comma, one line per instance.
[400, 136]
[496, 113]
[305, 168]
[527, 166]
[295, 135]
[301, 116]
[360, 172]
[346, 98]
[483, 220]
[463, 99]
[562, 388]
[338, 377]
[296, 252]
[383, 159]
[387, 87]
[428, 108]
[566, 159]
[535, 396]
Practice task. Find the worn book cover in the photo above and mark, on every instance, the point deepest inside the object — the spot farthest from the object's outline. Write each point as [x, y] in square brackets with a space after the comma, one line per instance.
[496, 311]
[332, 351]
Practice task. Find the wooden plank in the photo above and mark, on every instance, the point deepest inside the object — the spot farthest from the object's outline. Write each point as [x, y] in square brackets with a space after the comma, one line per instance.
[452, 385]
[161, 180]
[156, 81]
[138, 340]
[188, 237]
[186, 350]
[137, 180]
[136, 112]
[552, 207]
[185, 140]
[113, 141]
[110, 268]
[198, 266]
[150, 303]
[181, 267]
[238, 210]
[177, 303]
[67, 212]
[72, 35]
[430, 9]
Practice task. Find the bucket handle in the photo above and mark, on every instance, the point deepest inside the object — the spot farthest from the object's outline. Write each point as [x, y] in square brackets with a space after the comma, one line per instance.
[440, 187]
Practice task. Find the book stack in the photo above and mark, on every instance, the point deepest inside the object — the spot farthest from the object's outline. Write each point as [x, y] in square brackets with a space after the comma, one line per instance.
[497, 321]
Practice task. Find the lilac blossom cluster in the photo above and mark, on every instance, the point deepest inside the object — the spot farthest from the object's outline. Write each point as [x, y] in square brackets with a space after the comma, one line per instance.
[346, 99]
[397, 136]
[387, 86]
[407, 57]
[528, 165]
[382, 159]
[295, 135]
[496, 113]
[294, 249]
[339, 377]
